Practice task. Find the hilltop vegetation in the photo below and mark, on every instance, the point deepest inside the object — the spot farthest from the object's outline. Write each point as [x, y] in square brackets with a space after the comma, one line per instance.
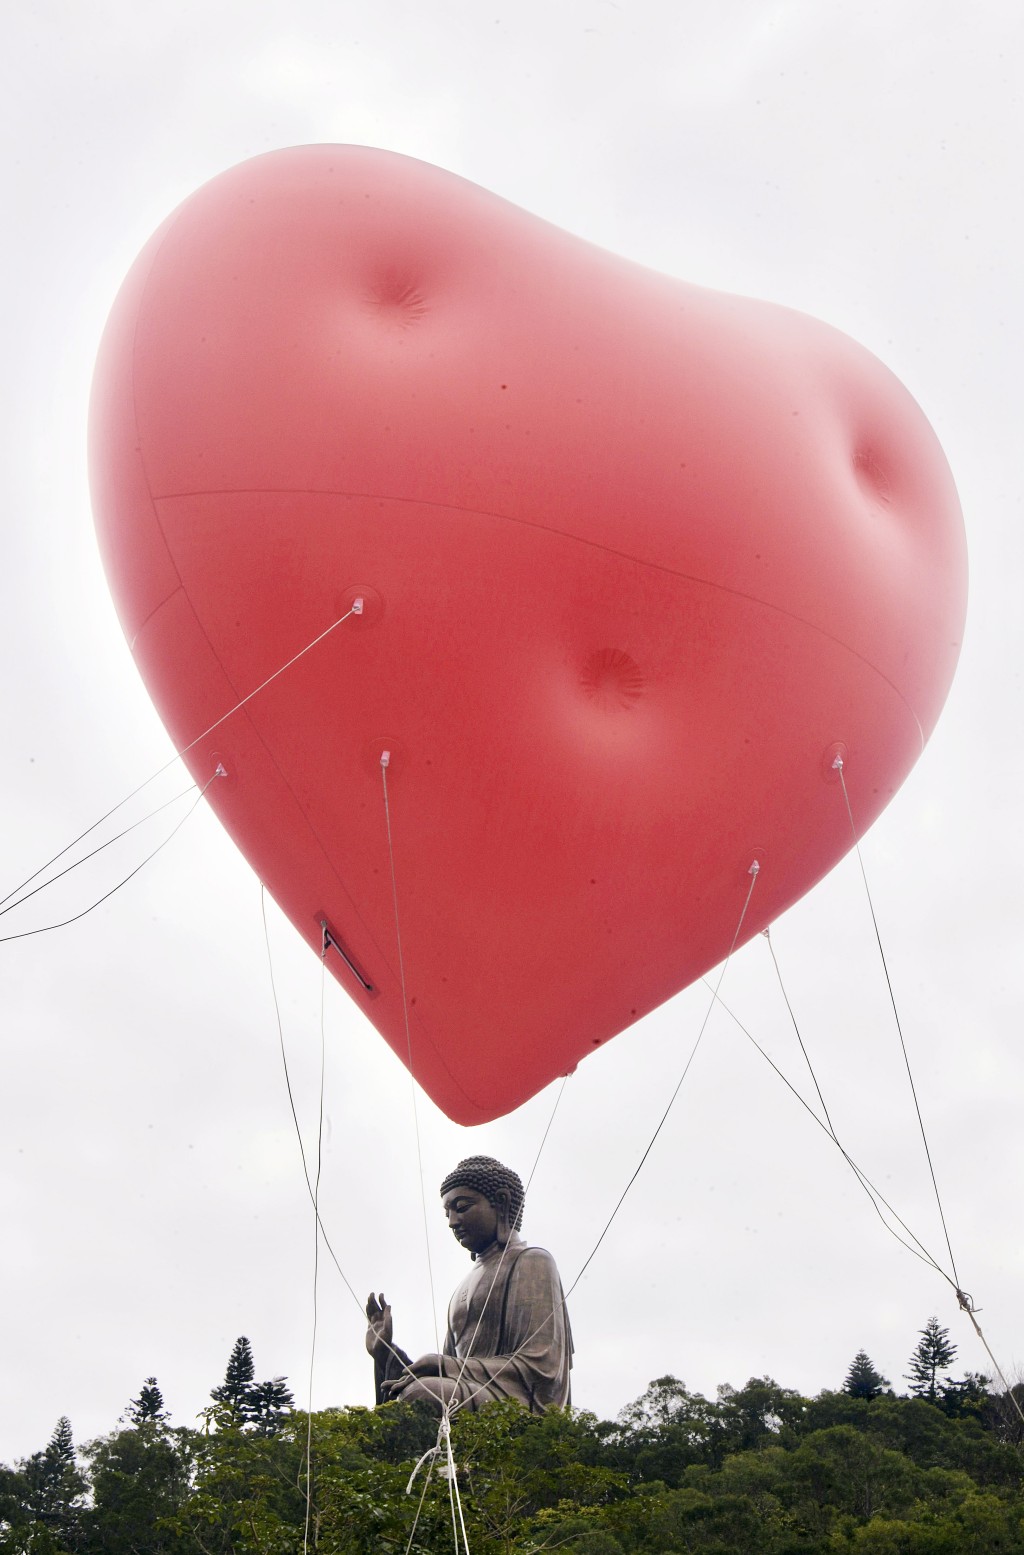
[758, 1470]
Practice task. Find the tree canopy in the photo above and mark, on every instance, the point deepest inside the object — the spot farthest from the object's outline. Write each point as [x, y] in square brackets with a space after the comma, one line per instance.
[934, 1353]
[862, 1379]
[756, 1468]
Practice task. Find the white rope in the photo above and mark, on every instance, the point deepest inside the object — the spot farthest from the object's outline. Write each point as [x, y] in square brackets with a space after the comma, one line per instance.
[47, 928]
[455, 1405]
[754, 872]
[872, 1192]
[356, 608]
[837, 766]
[453, 1483]
[316, 1253]
[430, 1453]
[295, 1117]
[1011, 1395]
[313, 1195]
[385, 761]
[352, 610]
[100, 848]
[450, 1405]
[964, 1301]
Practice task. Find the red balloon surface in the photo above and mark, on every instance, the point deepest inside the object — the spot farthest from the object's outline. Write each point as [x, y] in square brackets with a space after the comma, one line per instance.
[637, 558]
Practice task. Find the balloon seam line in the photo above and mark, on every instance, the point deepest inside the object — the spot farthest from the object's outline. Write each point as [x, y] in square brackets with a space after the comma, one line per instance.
[596, 545]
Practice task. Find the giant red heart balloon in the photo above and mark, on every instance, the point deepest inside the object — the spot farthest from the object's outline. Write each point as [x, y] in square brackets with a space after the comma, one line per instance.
[637, 560]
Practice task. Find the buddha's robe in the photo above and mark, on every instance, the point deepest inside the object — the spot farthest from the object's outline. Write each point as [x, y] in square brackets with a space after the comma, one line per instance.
[508, 1330]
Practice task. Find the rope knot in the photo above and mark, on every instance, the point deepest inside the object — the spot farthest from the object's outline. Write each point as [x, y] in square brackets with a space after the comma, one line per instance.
[431, 1452]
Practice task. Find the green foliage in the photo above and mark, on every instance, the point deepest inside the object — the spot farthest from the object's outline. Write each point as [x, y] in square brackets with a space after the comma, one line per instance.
[267, 1404]
[757, 1469]
[148, 1408]
[1003, 1415]
[245, 1494]
[862, 1380]
[934, 1353]
[966, 1397]
[42, 1499]
[141, 1478]
[241, 1402]
[233, 1392]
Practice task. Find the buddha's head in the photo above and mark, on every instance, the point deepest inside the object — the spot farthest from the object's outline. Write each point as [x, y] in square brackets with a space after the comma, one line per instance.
[483, 1202]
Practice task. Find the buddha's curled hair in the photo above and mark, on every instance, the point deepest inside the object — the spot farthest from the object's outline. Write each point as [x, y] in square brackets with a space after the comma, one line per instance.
[485, 1175]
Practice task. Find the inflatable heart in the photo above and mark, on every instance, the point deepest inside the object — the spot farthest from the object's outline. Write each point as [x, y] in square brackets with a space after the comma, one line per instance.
[636, 559]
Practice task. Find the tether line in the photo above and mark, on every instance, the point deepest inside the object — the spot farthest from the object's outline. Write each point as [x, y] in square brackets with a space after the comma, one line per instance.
[46, 928]
[799, 1037]
[865, 1182]
[838, 767]
[316, 1253]
[1011, 1395]
[298, 1131]
[451, 1405]
[453, 1486]
[8, 906]
[964, 1301]
[872, 1192]
[385, 761]
[82, 836]
[291, 1103]
[423, 1496]
[456, 1405]
[179, 754]
[754, 871]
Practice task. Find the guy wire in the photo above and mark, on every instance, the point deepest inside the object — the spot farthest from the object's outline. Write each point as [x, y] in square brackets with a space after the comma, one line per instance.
[869, 1187]
[453, 1487]
[799, 1037]
[10, 906]
[504, 1254]
[892, 999]
[82, 835]
[1010, 1392]
[423, 1497]
[45, 928]
[754, 871]
[176, 757]
[873, 1193]
[316, 1253]
[408, 1049]
[295, 1120]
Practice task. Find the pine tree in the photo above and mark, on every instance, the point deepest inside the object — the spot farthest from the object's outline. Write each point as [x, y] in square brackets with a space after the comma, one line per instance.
[934, 1353]
[267, 1405]
[234, 1391]
[862, 1380]
[148, 1408]
[54, 1486]
[60, 1449]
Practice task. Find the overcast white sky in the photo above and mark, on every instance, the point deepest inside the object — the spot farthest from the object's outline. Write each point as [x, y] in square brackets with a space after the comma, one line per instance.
[859, 163]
